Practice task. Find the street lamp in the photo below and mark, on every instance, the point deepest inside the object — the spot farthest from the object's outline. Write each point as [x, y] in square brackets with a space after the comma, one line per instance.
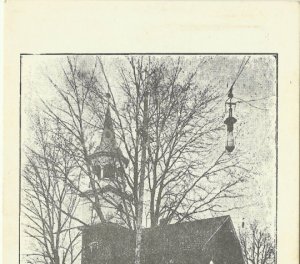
[229, 122]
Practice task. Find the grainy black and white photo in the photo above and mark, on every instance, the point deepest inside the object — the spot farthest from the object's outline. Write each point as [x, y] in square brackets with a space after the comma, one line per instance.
[148, 159]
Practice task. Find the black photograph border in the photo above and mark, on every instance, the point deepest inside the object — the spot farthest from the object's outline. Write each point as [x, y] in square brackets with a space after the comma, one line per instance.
[145, 53]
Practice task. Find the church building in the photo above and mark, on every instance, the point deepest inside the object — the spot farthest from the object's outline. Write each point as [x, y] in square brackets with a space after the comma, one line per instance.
[205, 241]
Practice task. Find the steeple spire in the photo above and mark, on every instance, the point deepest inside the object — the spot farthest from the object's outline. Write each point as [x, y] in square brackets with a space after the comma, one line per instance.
[107, 156]
[108, 138]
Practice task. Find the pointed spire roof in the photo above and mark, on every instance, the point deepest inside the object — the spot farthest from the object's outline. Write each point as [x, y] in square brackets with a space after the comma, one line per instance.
[108, 138]
[108, 123]
[108, 145]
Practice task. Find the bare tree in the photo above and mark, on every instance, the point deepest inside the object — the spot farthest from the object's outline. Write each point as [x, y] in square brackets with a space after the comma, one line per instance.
[187, 174]
[78, 124]
[257, 245]
[168, 128]
[180, 130]
[49, 203]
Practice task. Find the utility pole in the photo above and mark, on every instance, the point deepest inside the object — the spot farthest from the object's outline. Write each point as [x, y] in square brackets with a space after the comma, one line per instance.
[138, 240]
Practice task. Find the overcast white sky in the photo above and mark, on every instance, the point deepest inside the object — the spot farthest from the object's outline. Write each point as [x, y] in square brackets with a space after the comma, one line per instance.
[256, 121]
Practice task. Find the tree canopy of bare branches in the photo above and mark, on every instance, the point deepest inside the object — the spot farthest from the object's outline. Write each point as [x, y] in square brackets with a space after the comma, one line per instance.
[188, 173]
[49, 203]
[257, 245]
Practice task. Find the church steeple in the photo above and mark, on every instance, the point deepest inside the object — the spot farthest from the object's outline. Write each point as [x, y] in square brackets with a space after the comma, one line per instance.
[108, 165]
[108, 139]
[107, 159]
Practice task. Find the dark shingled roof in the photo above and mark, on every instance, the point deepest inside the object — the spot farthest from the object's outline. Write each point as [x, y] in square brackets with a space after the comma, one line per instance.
[118, 239]
[188, 242]
[161, 239]
[186, 235]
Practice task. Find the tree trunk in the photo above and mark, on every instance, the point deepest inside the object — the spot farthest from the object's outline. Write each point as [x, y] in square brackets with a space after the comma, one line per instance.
[141, 185]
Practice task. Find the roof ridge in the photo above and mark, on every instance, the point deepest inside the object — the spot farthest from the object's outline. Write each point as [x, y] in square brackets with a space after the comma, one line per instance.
[188, 222]
[226, 217]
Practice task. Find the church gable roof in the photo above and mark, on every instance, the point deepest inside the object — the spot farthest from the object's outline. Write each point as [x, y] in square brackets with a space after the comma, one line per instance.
[174, 238]
[183, 236]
